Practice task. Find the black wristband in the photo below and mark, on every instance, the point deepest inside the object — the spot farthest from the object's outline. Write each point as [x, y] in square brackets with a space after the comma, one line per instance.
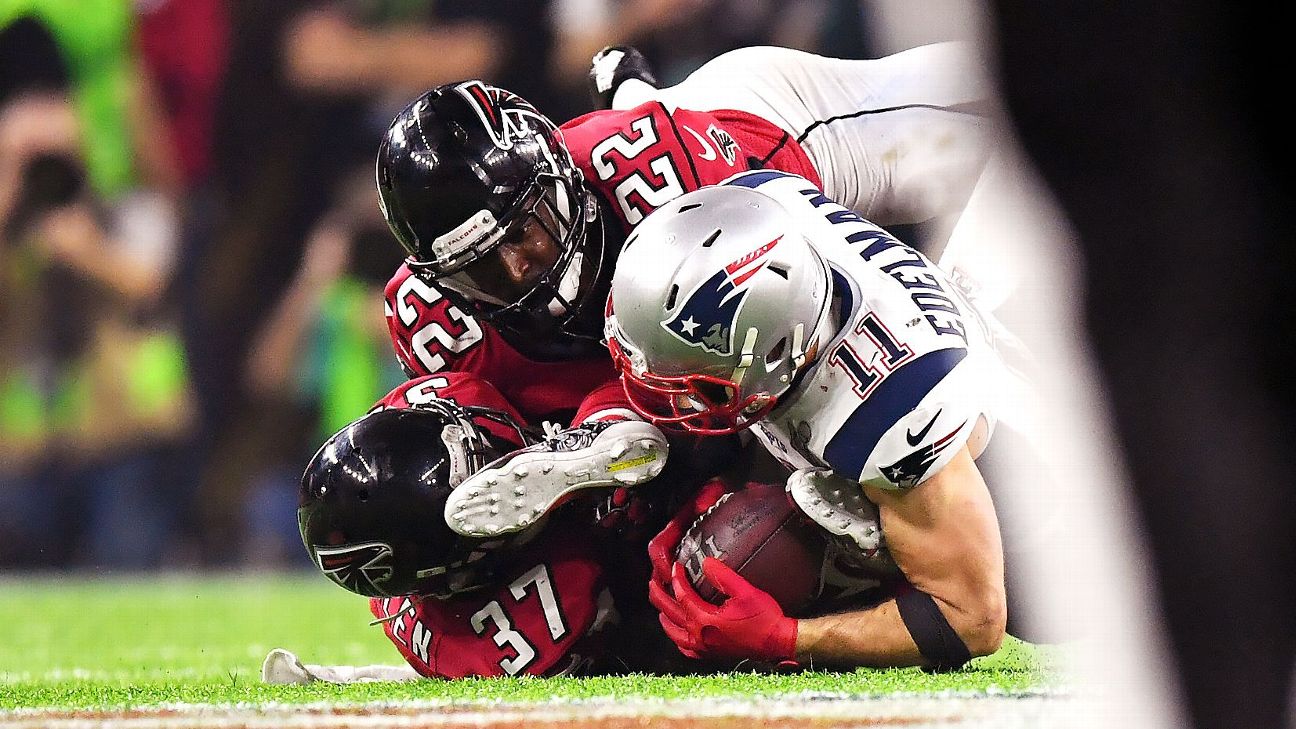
[937, 641]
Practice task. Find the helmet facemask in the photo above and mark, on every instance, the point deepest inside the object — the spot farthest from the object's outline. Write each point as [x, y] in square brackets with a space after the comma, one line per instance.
[701, 403]
[471, 447]
[470, 167]
[554, 206]
[718, 305]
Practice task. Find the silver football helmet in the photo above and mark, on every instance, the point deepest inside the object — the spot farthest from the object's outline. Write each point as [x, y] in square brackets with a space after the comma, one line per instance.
[717, 301]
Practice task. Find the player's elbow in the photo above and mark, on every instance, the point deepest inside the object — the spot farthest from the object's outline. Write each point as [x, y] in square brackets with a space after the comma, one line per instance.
[985, 636]
[982, 622]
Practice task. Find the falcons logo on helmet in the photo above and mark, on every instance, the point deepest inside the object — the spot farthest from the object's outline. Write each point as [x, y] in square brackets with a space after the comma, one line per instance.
[707, 317]
[357, 567]
[500, 111]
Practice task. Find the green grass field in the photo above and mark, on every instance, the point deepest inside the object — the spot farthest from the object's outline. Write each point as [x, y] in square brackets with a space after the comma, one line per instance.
[114, 643]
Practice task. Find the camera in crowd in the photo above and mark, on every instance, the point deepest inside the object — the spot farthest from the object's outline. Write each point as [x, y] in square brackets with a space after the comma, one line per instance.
[49, 181]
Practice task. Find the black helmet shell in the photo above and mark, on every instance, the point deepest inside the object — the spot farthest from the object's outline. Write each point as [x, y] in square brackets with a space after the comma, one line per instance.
[371, 504]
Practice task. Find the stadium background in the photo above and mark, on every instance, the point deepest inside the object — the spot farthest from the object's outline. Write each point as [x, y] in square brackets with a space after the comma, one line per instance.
[182, 321]
[172, 360]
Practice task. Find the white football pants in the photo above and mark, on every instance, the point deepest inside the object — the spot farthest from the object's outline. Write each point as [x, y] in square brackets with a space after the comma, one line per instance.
[899, 139]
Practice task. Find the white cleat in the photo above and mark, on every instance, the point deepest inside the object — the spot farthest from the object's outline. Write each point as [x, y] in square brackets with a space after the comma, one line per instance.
[517, 490]
[282, 667]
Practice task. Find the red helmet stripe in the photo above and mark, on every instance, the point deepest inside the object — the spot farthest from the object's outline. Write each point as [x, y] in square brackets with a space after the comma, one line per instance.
[755, 255]
[484, 99]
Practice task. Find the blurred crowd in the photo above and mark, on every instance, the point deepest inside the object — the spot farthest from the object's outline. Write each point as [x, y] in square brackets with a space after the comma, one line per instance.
[191, 251]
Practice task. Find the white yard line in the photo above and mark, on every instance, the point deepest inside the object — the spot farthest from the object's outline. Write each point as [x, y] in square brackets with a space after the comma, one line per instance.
[965, 711]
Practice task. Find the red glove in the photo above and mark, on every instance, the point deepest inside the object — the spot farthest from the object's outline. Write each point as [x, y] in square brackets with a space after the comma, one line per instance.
[662, 548]
[748, 624]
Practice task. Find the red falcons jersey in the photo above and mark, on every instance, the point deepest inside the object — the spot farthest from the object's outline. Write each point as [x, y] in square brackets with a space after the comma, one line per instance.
[546, 617]
[463, 388]
[635, 160]
[547, 614]
[467, 388]
[642, 158]
[432, 335]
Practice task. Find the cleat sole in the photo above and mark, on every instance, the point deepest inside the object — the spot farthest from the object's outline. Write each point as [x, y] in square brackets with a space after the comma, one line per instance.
[551, 477]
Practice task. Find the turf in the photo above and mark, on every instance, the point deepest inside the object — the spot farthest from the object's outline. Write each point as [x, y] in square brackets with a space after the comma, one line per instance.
[109, 643]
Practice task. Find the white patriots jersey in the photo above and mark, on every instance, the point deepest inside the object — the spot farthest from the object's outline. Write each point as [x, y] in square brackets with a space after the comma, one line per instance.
[895, 394]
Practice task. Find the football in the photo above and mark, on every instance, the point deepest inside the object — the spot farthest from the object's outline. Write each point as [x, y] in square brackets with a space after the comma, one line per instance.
[761, 535]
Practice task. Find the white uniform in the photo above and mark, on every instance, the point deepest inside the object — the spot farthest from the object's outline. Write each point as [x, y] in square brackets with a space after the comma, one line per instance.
[898, 139]
[904, 383]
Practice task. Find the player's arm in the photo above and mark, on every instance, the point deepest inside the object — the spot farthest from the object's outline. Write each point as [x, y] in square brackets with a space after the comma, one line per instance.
[947, 544]
[606, 401]
[945, 537]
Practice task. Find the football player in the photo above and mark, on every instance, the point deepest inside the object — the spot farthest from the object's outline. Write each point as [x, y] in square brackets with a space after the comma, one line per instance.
[513, 225]
[538, 602]
[762, 305]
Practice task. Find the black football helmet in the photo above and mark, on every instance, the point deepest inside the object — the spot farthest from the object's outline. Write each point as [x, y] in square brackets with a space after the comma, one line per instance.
[462, 170]
[372, 499]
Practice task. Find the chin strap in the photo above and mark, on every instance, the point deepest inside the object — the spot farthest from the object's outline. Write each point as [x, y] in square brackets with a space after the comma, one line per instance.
[568, 286]
[798, 346]
[747, 356]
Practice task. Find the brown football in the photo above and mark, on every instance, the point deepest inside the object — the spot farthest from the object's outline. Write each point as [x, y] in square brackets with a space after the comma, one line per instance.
[759, 533]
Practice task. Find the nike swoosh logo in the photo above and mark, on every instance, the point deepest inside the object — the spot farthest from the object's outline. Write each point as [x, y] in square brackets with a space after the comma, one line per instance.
[916, 439]
[708, 152]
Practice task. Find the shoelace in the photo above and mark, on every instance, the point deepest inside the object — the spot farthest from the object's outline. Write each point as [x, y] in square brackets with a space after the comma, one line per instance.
[559, 438]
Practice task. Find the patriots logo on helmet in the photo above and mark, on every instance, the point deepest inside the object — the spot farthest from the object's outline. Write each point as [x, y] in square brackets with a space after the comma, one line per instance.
[357, 567]
[502, 123]
[908, 471]
[707, 317]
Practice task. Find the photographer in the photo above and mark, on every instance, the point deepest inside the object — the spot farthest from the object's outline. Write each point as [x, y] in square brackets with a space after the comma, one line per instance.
[95, 402]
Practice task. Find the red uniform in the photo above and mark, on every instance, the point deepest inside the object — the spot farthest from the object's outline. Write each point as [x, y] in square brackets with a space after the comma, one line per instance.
[642, 158]
[431, 335]
[635, 161]
[461, 388]
[548, 613]
[547, 616]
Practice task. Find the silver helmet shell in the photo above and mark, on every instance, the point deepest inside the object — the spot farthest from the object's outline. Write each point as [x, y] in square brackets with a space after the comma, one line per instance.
[717, 301]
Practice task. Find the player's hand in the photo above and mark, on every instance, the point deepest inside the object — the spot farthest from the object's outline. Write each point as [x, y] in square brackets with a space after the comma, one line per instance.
[610, 67]
[626, 513]
[748, 624]
[662, 548]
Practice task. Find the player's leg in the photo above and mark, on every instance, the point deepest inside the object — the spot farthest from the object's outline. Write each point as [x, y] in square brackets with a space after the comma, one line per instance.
[899, 139]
